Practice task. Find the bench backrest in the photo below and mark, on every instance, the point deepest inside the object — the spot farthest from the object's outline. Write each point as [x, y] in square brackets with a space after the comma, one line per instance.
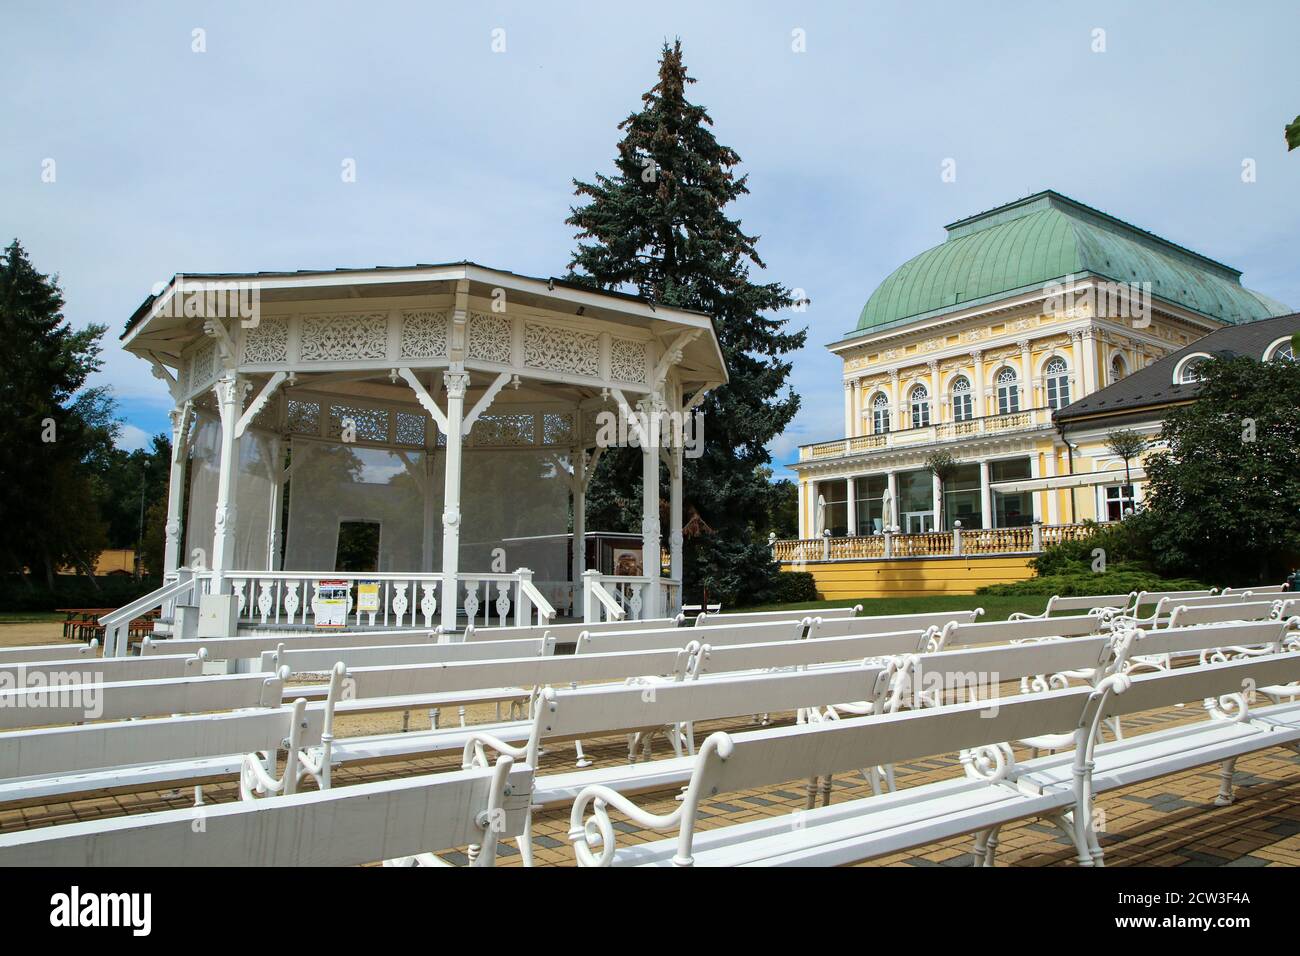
[1145, 598]
[403, 680]
[338, 827]
[1185, 640]
[228, 648]
[78, 703]
[47, 652]
[586, 711]
[759, 617]
[1092, 602]
[102, 669]
[597, 642]
[1260, 589]
[997, 632]
[738, 657]
[1183, 615]
[1166, 605]
[886, 624]
[55, 750]
[316, 659]
[1203, 682]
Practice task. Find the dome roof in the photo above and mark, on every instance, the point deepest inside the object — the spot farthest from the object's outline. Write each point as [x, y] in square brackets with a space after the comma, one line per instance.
[1048, 237]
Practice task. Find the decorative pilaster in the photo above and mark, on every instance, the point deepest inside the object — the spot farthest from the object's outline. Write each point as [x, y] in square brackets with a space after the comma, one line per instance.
[229, 389]
[675, 537]
[935, 403]
[981, 397]
[1026, 381]
[176, 489]
[650, 409]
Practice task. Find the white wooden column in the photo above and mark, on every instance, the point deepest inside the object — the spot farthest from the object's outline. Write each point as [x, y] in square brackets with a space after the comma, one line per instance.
[230, 400]
[986, 496]
[579, 456]
[650, 538]
[176, 490]
[895, 515]
[275, 444]
[456, 381]
[675, 539]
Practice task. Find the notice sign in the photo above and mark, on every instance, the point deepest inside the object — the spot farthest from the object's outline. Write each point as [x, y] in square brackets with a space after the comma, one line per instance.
[331, 604]
[368, 597]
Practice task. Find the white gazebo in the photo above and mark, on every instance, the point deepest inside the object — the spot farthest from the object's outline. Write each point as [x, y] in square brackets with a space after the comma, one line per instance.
[323, 418]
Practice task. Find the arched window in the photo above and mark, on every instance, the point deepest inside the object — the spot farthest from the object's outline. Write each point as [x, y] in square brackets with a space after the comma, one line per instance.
[1117, 369]
[963, 404]
[920, 407]
[1280, 351]
[1188, 370]
[1058, 382]
[1008, 392]
[880, 414]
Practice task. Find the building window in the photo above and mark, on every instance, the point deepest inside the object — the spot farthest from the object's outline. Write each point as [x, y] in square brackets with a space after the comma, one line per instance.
[915, 501]
[920, 407]
[1117, 369]
[961, 498]
[1008, 392]
[1058, 383]
[1188, 371]
[1015, 508]
[1119, 501]
[1280, 351]
[870, 490]
[880, 414]
[833, 507]
[963, 404]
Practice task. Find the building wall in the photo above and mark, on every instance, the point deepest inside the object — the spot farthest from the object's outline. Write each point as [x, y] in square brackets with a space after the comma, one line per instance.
[1022, 337]
[912, 577]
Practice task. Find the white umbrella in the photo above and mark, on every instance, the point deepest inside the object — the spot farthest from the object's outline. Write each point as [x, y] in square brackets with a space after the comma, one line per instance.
[821, 515]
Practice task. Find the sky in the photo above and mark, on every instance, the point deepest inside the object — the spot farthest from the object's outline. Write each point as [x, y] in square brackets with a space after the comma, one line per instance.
[467, 123]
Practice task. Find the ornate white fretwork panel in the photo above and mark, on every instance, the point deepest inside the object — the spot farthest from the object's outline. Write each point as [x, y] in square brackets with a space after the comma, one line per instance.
[488, 338]
[346, 337]
[518, 430]
[410, 429]
[561, 350]
[303, 418]
[268, 341]
[424, 334]
[627, 360]
[557, 429]
[369, 424]
[203, 366]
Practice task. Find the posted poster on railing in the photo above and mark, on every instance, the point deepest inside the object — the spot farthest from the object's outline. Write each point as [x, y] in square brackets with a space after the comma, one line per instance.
[331, 604]
[368, 597]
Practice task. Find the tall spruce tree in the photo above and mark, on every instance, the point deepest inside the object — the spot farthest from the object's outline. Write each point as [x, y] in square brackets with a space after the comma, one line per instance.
[52, 429]
[659, 227]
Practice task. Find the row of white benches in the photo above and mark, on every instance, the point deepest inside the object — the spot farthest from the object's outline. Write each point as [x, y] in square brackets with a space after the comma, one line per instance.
[856, 830]
[706, 660]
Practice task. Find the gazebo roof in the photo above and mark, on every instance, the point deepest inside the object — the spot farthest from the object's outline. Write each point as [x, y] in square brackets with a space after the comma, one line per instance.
[155, 331]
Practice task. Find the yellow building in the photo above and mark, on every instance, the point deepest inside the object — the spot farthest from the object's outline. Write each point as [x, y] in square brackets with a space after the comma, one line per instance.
[971, 346]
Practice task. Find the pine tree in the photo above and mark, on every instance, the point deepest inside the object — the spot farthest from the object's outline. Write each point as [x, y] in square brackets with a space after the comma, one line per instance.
[659, 227]
[51, 428]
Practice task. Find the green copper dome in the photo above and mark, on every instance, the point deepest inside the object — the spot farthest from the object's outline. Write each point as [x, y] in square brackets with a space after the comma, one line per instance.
[1047, 237]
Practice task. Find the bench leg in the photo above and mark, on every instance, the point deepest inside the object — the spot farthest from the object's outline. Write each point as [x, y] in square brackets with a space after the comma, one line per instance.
[1079, 834]
[1226, 771]
[826, 790]
[582, 757]
[406, 721]
[811, 802]
[992, 846]
[872, 775]
[525, 839]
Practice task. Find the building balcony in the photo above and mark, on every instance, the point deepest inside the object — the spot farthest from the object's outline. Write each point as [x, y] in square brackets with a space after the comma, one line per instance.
[1025, 420]
[1025, 539]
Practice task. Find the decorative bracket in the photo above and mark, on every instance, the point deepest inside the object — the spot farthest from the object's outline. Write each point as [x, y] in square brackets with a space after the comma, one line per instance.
[485, 402]
[424, 398]
[225, 344]
[256, 405]
[672, 356]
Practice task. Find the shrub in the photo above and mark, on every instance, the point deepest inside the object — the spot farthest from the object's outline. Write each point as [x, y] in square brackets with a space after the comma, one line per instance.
[794, 587]
[1117, 580]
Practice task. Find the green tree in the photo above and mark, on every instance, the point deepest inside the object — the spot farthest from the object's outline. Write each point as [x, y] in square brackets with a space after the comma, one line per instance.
[1224, 498]
[51, 426]
[1293, 135]
[1127, 444]
[943, 466]
[658, 226]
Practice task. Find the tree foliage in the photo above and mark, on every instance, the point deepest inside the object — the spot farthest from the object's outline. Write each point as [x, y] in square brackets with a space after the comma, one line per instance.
[1224, 497]
[659, 226]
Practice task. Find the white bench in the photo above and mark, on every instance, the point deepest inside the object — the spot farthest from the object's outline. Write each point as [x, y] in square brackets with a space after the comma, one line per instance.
[884, 624]
[1261, 589]
[957, 633]
[759, 617]
[1099, 604]
[31, 653]
[1183, 616]
[70, 703]
[399, 820]
[999, 793]
[103, 669]
[227, 648]
[599, 641]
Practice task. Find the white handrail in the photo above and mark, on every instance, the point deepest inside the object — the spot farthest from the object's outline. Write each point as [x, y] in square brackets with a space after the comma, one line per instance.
[117, 622]
[545, 612]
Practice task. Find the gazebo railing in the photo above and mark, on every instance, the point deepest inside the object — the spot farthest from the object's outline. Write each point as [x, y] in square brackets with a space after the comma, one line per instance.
[404, 599]
[619, 597]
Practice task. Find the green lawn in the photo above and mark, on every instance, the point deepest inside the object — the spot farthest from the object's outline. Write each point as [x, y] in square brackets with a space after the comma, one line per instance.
[995, 608]
[29, 617]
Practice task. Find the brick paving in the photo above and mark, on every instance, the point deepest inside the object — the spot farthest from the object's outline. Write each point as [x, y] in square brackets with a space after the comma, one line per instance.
[1171, 821]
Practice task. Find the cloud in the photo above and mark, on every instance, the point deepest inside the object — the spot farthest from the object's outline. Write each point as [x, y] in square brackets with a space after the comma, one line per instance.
[131, 438]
